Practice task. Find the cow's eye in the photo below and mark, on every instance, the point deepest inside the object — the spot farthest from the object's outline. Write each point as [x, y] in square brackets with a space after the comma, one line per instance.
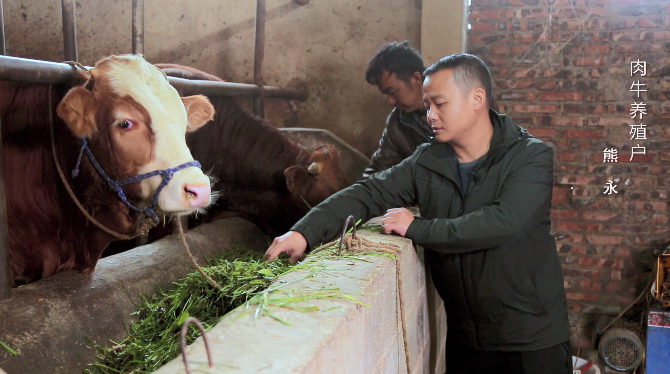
[125, 125]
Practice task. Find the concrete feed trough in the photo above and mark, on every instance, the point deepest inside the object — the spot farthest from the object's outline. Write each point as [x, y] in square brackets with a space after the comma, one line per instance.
[51, 321]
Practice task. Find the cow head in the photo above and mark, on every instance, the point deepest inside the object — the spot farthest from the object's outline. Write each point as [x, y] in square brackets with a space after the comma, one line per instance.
[322, 177]
[135, 122]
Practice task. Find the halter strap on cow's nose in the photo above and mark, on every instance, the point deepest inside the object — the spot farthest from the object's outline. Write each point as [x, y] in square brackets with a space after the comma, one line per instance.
[117, 185]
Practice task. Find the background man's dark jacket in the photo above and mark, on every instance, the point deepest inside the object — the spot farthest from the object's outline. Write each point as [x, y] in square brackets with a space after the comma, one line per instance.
[404, 132]
[490, 250]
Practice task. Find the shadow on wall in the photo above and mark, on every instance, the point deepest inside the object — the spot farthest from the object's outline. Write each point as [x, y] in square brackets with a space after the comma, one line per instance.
[197, 46]
[334, 102]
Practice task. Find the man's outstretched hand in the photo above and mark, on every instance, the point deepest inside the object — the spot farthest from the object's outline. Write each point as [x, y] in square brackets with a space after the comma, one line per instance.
[397, 220]
[292, 243]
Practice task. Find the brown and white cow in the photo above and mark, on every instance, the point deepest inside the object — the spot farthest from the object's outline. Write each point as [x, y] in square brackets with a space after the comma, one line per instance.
[133, 121]
[262, 175]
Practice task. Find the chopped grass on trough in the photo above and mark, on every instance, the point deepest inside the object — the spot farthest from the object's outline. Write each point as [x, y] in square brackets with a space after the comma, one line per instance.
[153, 340]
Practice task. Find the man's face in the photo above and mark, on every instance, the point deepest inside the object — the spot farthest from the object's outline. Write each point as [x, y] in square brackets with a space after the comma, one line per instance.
[450, 114]
[400, 94]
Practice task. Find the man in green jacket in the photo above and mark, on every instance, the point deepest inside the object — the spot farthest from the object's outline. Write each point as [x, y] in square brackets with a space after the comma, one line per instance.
[483, 187]
[396, 69]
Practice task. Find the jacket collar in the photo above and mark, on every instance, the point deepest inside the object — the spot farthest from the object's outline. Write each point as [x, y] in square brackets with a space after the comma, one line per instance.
[441, 158]
[413, 120]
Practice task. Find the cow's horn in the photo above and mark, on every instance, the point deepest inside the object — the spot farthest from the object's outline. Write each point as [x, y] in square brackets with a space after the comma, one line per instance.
[314, 168]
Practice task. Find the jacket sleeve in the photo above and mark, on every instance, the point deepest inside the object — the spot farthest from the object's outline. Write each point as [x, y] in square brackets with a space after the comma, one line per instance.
[365, 199]
[524, 201]
[387, 154]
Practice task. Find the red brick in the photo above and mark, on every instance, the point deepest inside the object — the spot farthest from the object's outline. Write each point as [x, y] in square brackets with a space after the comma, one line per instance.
[612, 287]
[578, 226]
[616, 275]
[639, 47]
[597, 49]
[481, 27]
[516, 73]
[573, 25]
[625, 157]
[590, 61]
[581, 180]
[600, 239]
[567, 121]
[589, 285]
[564, 214]
[665, 229]
[542, 133]
[487, 39]
[483, 3]
[657, 218]
[492, 14]
[655, 35]
[626, 36]
[607, 2]
[562, 96]
[560, 194]
[581, 296]
[650, 22]
[585, 134]
[657, 206]
[523, 84]
[611, 121]
[581, 192]
[519, 49]
[525, 38]
[499, 49]
[531, 13]
[599, 216]
[572, 156]
[535, 108]
[610, 263]
[583, 12]
[565, 2]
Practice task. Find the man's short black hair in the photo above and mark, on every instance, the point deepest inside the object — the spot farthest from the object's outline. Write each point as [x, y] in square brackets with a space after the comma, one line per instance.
[396, 58]
[469, 71]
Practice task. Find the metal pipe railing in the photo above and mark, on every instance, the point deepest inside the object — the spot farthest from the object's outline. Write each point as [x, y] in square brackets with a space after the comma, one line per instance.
[138, 26]
[259, 54]
[35, 71]
[3, 51]
[69, 30]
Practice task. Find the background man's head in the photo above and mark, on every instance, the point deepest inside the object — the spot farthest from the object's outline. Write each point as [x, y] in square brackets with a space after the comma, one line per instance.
[396, 69]
[457, 94]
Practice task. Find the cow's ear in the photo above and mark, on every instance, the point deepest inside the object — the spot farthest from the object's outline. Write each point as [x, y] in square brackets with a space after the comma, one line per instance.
[297, 180]
[78, 109]
[199, 111]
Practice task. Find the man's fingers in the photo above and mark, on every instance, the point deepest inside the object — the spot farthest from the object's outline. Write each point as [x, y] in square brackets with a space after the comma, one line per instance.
[269, 254]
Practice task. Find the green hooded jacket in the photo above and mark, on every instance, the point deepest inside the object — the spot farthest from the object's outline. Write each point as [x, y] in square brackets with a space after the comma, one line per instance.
[490, 250]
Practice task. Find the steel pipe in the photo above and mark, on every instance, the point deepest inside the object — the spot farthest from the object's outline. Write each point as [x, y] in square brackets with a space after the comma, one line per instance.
[69, 30]
[138, 26]
[3, 51]
[259, 54]
[35, 71]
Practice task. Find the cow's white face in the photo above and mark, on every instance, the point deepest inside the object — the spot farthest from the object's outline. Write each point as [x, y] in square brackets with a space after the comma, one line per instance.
[137, 123]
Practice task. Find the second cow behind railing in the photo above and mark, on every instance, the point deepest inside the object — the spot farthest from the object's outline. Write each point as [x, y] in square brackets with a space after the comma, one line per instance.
[262, 175]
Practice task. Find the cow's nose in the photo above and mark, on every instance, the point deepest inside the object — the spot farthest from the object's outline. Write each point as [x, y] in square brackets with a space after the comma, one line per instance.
[197, 195]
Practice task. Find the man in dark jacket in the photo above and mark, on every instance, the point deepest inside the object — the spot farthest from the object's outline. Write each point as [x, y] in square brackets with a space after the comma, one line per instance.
[396, 69]
[483, 187]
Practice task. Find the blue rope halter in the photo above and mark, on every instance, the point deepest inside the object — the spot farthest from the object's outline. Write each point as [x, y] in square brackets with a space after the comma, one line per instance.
[116, 185]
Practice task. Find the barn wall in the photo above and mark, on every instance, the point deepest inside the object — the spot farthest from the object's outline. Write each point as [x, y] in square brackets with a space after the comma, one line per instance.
[562, 69]
[324, 46]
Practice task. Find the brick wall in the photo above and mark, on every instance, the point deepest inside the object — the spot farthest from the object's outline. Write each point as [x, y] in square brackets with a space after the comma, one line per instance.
[561, 69]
